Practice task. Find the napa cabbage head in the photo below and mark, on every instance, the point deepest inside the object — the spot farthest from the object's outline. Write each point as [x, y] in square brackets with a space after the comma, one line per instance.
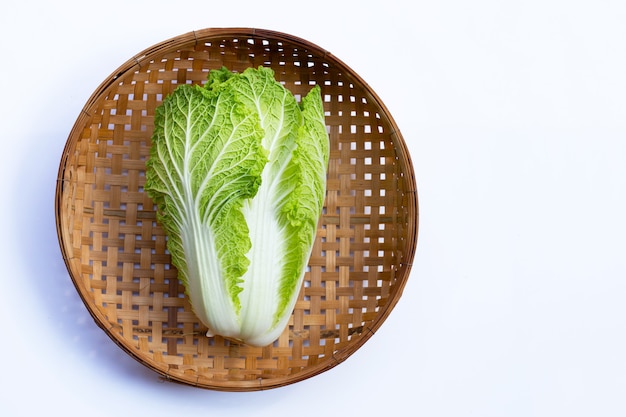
[237, 170]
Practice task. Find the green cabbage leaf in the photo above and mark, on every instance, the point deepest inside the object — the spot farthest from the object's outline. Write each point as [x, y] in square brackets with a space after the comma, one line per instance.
[237, 171]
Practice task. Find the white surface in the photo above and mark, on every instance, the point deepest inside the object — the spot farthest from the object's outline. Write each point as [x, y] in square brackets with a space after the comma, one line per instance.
[515, 115]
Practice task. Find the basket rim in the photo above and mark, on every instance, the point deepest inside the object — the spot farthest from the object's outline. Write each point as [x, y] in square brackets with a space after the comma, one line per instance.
[192, 38]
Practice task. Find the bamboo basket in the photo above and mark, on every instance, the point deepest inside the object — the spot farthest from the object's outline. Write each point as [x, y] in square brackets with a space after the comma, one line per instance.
[116, 254]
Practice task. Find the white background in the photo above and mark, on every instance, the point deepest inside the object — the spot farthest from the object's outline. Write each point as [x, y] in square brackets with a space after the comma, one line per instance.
[515, 116]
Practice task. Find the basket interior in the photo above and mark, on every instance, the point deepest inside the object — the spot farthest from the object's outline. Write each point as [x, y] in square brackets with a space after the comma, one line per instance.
[116, 251]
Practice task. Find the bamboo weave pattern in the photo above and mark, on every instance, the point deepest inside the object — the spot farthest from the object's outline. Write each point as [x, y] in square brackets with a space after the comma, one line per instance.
[116, 252]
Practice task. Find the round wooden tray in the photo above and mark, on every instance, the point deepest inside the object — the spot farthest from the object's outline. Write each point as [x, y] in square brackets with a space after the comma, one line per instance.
[115, 251]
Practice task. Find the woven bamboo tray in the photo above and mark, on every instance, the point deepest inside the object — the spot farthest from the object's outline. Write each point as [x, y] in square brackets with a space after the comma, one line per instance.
[116, 254]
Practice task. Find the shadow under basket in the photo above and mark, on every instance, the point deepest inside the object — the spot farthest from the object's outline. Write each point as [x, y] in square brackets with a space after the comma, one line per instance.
[115, 250]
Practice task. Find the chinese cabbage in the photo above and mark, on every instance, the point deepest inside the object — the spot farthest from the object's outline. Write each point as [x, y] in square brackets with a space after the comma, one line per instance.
[237, 170]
